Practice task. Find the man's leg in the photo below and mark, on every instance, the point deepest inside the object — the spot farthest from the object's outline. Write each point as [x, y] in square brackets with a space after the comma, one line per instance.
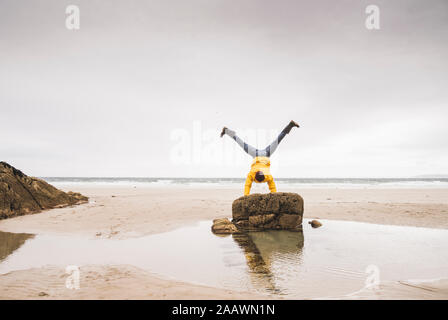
[246, 147]
[269, 150]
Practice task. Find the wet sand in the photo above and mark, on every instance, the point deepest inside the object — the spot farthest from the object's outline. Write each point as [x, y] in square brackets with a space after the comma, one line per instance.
[124, 212]
[106, 282]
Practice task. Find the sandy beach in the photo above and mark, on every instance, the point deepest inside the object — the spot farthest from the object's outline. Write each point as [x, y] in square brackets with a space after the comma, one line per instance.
[130, 131]
[130, 212]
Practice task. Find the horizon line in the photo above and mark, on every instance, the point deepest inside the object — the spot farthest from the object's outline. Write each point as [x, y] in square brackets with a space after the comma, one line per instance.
[148, 177]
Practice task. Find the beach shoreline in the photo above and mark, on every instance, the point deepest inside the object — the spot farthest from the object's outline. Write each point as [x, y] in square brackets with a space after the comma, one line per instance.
[122, 212]
[119, 212]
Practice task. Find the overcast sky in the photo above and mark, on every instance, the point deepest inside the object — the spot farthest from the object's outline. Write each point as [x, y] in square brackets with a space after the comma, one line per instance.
[124, 94]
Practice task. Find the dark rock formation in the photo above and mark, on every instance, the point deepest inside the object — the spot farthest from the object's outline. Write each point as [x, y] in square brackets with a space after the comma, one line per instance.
[20, 194]
[257, 212]
[279, 210]
[224, 226]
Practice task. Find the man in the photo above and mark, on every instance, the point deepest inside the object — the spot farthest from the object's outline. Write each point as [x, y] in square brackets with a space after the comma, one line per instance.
[259, 171]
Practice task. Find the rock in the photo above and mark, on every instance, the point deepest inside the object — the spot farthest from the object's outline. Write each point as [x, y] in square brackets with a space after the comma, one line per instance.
[260, 220]
[42, 294]
[224, 226]
[20, 194]
[279, 210]
[77, 196]
[289, 221]
[315, 223]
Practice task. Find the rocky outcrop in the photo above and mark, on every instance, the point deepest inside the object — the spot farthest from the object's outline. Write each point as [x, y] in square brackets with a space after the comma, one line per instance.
[20, 194]
[272, 211]
[224, 226]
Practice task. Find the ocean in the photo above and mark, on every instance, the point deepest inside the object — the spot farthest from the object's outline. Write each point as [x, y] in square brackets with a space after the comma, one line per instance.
[237, 182]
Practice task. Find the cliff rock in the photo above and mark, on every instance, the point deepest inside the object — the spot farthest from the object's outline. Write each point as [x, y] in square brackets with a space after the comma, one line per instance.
[20, 194]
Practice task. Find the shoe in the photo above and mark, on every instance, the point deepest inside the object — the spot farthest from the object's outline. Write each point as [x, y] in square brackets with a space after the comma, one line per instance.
[295, 124]
[291, 125]
[223, 132]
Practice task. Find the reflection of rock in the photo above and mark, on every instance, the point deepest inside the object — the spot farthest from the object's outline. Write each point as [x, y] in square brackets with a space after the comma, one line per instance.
[10, 242]
[282, 245]
[279, 210]
[261, 248]
[315, 223]
[223, 226]
[253, 257]
[20, 194]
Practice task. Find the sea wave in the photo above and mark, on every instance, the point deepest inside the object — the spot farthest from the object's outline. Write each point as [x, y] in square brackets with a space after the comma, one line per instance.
[236, 182]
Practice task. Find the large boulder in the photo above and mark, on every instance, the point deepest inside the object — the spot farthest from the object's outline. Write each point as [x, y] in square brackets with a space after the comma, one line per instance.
[257, 212]
[278, 211]
[20, 194]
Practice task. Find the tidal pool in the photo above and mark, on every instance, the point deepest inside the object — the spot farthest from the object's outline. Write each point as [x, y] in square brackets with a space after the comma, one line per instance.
[333, 260]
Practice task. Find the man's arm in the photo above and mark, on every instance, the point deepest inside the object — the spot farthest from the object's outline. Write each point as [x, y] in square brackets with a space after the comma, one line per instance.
[248, 185]
[271, 185]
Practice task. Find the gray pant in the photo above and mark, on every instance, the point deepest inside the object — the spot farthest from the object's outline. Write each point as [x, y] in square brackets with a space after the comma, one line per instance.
[254, 152]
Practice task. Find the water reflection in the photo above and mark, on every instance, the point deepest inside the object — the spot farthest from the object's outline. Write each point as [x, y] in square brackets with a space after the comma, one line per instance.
[9, 242]
[261, 249]
[332, 261]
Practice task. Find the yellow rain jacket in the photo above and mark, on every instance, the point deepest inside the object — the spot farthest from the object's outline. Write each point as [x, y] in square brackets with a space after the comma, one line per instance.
[260, 164]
